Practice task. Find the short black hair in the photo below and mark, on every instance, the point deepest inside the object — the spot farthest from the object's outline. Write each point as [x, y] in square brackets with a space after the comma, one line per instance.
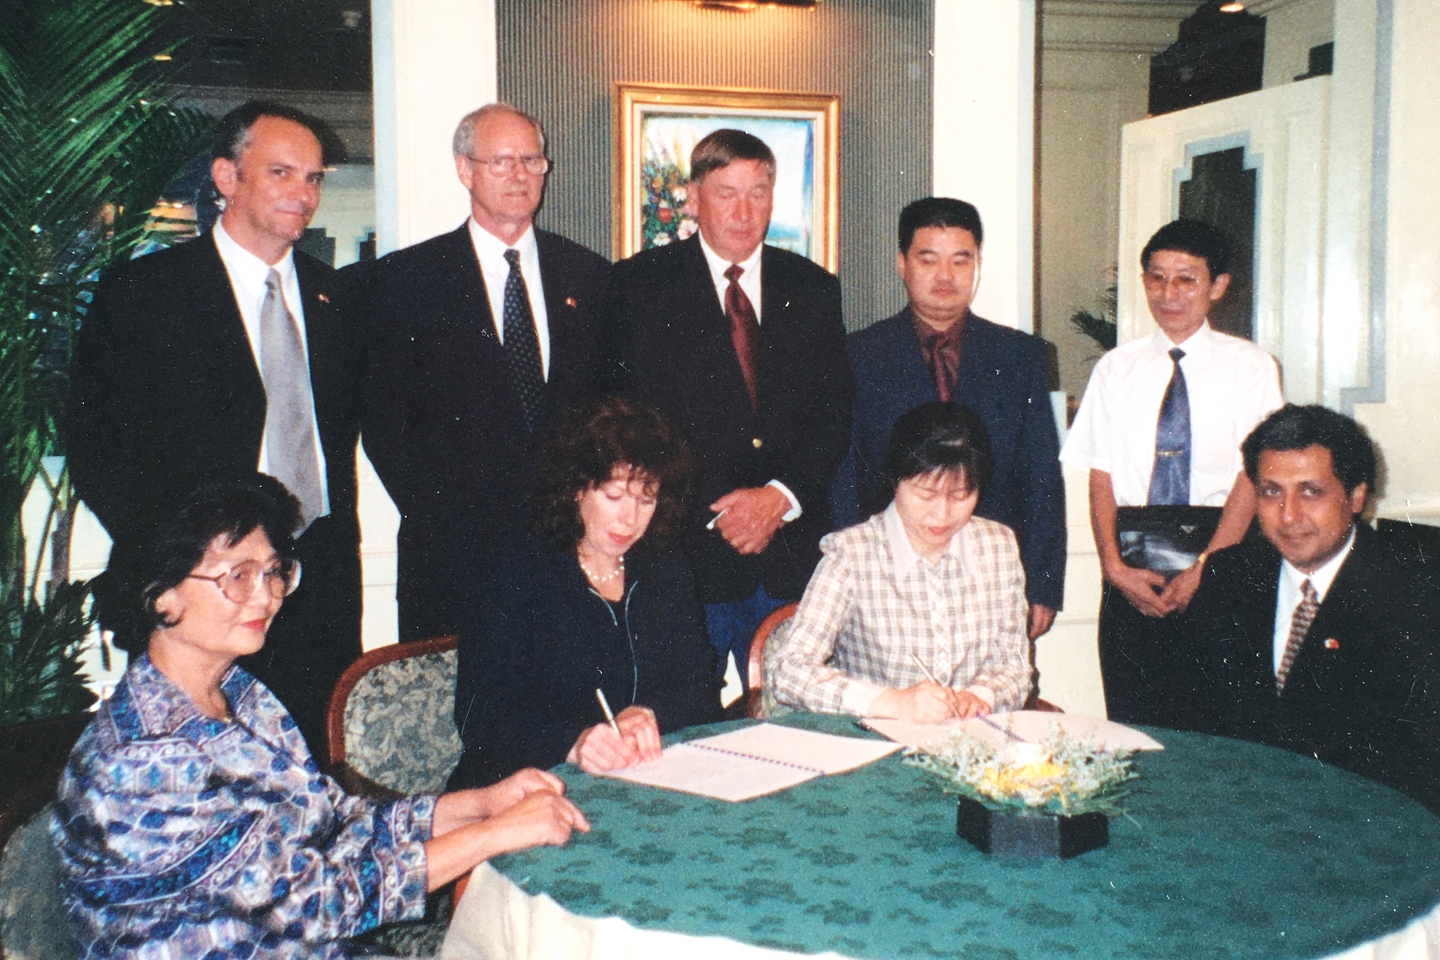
[722, 147]
[591, 442]
[146, 564]
[1293, 427]
[1195, 237]
[233, 131]
[937, 436]
[940, 212]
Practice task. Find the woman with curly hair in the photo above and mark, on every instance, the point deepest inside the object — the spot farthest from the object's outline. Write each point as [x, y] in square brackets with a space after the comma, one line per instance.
[591, 598]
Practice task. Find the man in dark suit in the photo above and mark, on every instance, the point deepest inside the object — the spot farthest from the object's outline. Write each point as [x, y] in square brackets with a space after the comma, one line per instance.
[479, 340]
[223, 355]
[936, 349]
[1317, 638]
[743, 345]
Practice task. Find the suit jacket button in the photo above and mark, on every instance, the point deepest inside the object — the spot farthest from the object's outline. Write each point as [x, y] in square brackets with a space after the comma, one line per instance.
[757, 443]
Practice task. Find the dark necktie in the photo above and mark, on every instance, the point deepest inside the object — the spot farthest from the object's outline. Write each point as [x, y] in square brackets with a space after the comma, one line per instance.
[1299, 627]
[942, 355]
[744, 331]
[1170, 477]
[289, 405]
[522, 346]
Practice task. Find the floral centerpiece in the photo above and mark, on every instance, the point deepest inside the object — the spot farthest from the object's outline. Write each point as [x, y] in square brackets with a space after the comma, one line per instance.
[1047, 799]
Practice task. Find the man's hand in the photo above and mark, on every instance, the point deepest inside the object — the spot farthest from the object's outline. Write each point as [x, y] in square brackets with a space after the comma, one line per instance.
[1181, 589]
[749, 517]
[1142, 587]
[1042, 618]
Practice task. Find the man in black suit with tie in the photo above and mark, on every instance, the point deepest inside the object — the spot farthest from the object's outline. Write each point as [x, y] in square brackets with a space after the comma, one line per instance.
[1317, 638]
[743, 344]
[226, 354]
[480, 339]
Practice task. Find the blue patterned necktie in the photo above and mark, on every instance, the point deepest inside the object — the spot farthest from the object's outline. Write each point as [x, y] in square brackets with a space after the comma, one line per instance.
[1170, 477]
[522, 346]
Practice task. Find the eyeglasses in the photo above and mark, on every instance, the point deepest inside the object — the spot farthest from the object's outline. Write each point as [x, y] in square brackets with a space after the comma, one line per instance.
[239, 582]
[504, 166]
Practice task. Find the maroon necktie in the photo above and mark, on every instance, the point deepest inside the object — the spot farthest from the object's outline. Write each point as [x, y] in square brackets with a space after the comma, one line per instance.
[941, 350]
[744, 330]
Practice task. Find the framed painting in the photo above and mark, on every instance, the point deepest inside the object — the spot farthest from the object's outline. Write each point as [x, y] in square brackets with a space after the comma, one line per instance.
[656, 127]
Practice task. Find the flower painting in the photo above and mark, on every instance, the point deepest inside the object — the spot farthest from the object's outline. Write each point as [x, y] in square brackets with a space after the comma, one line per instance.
[658, 126]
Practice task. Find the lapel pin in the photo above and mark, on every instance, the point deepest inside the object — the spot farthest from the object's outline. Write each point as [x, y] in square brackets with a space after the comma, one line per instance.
[571, 302]
[1332, 644]
[324, 298]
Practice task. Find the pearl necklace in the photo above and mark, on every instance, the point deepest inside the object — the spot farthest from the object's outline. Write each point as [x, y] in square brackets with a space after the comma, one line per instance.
[595, 578]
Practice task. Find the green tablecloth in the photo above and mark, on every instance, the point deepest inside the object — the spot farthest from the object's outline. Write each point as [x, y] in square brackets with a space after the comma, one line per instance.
[1230, 850]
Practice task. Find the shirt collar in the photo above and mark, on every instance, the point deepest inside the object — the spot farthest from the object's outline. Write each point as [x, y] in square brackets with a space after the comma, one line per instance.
[718, 264]
[904, 555]
[1322, 578]
[158, 706]
[237, 258]
[1196, 346]
[489, 246]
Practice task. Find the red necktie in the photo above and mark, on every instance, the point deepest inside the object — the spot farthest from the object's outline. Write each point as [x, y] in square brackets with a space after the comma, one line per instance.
[744, 330]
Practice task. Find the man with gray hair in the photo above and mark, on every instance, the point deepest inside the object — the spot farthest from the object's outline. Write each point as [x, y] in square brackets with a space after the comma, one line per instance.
[479, 340]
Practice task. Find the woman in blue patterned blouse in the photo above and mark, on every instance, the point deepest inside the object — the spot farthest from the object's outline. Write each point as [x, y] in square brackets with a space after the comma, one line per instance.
[192, 821]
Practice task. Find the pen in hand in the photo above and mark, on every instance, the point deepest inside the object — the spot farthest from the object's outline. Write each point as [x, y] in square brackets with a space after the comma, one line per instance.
[605, 705]
[716, 519]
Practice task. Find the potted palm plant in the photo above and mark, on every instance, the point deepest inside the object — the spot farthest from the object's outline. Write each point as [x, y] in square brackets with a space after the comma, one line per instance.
[88, 142]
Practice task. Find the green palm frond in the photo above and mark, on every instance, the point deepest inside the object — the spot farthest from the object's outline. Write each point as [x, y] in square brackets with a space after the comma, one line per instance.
[87, 144]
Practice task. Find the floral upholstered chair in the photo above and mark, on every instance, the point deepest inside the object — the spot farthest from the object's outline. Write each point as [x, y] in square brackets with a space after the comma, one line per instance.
[391, 730]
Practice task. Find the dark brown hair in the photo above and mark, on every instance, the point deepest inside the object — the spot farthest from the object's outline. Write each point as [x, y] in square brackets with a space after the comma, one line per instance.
[723, 147]
[592, 441]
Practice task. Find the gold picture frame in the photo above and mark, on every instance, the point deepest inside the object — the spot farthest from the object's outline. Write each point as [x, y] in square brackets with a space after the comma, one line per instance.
[656, 126]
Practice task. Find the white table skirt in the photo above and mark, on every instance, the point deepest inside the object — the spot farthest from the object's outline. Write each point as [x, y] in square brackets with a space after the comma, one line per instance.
[496, 920]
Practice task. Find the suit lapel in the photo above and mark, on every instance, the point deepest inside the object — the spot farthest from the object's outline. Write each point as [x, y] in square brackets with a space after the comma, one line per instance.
[218, 333]
[1342, 613]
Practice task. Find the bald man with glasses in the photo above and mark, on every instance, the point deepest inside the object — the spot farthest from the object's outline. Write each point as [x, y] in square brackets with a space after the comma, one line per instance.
[479, 340]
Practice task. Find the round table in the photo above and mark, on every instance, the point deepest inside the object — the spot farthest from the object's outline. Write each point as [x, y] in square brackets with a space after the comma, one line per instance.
[1229, 849]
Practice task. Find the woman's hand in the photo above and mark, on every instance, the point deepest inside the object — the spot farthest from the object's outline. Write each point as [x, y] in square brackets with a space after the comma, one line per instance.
[599, 749]
[540, 817]
[925, 702]
[460, 807]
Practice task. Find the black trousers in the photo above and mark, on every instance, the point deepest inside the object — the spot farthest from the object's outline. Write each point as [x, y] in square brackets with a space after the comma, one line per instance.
[1152, 670]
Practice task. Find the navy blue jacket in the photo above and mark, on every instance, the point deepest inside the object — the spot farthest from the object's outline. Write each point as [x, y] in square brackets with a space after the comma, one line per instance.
[538, 641]
[1003, 379]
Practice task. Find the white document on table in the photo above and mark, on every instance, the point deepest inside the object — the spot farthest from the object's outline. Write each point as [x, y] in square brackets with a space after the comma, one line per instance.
[1021, 726]
[753, 761]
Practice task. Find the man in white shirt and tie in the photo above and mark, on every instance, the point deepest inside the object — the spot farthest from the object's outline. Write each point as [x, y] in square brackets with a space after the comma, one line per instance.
[225, 355]
[480, 339]
[1159, 431]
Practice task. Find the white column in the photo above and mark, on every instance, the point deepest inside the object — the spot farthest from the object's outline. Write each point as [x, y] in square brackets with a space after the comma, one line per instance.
[435, 61]
[1405, 425]
[984, 149]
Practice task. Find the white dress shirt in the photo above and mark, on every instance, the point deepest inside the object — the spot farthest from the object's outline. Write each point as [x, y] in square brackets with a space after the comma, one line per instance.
[495, 269]
[1232, 385]
[750, 284]
[1288, 596]
[248, 274]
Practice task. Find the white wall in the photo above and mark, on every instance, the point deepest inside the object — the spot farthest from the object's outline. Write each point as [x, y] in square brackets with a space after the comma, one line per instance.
[1292, 27]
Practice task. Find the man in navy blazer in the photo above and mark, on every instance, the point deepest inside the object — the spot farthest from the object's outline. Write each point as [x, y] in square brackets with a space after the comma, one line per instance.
[1349, 677]
[936, 349]
[444, 420]
[167, 389]
[744, 346]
